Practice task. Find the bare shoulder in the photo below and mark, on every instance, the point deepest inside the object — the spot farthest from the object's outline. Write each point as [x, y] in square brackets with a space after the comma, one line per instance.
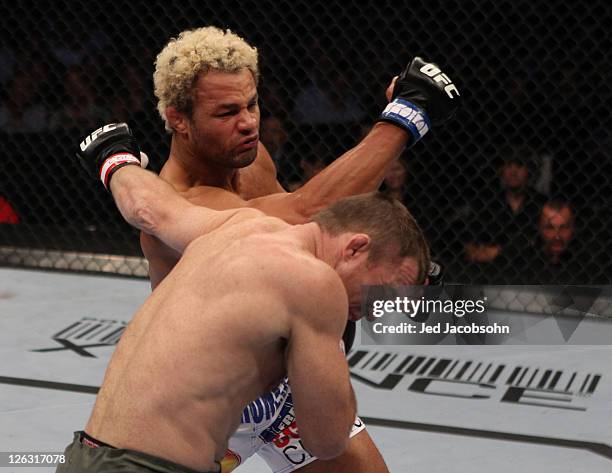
[314, 288]
[214, 198]
[254, 222]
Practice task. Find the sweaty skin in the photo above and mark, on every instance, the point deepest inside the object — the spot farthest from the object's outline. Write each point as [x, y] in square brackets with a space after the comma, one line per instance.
[196, 170]
[259, 177]
[282, 314]
[195, 166]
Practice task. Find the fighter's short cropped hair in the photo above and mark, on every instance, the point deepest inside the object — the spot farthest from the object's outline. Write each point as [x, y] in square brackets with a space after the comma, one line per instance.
[386, 220]
[194, 52]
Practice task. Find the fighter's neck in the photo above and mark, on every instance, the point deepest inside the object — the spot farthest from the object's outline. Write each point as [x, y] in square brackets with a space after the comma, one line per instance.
[315, 241]
[184, 170]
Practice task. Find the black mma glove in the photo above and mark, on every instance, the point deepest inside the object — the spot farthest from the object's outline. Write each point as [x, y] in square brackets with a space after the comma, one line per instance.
[109, 148]
[423, 95]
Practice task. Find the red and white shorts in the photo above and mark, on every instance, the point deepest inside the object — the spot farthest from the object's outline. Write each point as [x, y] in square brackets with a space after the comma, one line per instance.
[268, 429]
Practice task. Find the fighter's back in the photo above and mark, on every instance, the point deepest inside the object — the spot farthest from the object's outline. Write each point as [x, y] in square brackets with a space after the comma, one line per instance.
[215, 329]
[256, 180]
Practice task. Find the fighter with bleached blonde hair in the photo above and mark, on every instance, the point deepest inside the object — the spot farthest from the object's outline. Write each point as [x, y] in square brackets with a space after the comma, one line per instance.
[193, 53]
[206, 86]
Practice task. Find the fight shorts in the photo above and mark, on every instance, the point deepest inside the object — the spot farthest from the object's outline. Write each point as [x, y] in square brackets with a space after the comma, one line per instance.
[86, 454]
[268, 429]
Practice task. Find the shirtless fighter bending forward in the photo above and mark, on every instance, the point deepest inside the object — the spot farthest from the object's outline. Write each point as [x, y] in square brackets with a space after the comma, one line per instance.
[206, 85]
[251, 300]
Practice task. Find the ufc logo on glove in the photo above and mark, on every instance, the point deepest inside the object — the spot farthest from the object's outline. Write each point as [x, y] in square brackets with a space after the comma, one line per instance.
[422, 96]
[433, 71]
[89, 139]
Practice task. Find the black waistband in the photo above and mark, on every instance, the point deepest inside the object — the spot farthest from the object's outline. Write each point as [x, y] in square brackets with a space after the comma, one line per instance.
[91, 442]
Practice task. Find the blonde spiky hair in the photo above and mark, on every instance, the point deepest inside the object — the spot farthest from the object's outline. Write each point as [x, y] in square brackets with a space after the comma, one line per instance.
[194, 52]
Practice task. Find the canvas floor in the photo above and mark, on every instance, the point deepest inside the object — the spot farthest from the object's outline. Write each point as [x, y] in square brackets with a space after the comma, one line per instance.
[428, 408]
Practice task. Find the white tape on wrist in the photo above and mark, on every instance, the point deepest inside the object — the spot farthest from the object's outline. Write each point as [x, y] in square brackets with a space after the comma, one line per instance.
[112, 162]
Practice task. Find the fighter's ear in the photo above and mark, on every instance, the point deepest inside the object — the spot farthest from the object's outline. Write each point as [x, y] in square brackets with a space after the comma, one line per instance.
[177, 120]
[358, 245]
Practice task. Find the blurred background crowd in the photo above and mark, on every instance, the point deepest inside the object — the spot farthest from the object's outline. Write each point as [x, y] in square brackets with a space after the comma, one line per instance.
[517, 189]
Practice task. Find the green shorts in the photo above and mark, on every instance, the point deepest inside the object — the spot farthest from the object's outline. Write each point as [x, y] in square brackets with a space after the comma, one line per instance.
[81, 458]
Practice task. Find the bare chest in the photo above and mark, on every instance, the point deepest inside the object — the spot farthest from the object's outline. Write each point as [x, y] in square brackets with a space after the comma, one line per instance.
[252, 182]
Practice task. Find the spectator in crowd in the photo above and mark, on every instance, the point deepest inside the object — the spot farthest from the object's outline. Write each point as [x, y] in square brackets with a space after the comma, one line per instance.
[558, 255]
[552, 258]
[507, 214]
[21, 111]
[79, 109]
[556, 228]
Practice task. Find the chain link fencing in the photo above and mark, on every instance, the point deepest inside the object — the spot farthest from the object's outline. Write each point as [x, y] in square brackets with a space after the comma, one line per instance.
[535, 124]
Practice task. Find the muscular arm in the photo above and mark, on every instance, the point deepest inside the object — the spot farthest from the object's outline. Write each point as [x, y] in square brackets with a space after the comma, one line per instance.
[359, 170]
[153, 206]
[322, 394]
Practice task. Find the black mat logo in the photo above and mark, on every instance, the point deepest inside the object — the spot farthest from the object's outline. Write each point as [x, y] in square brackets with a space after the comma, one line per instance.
[87, 333]
[530, 386]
